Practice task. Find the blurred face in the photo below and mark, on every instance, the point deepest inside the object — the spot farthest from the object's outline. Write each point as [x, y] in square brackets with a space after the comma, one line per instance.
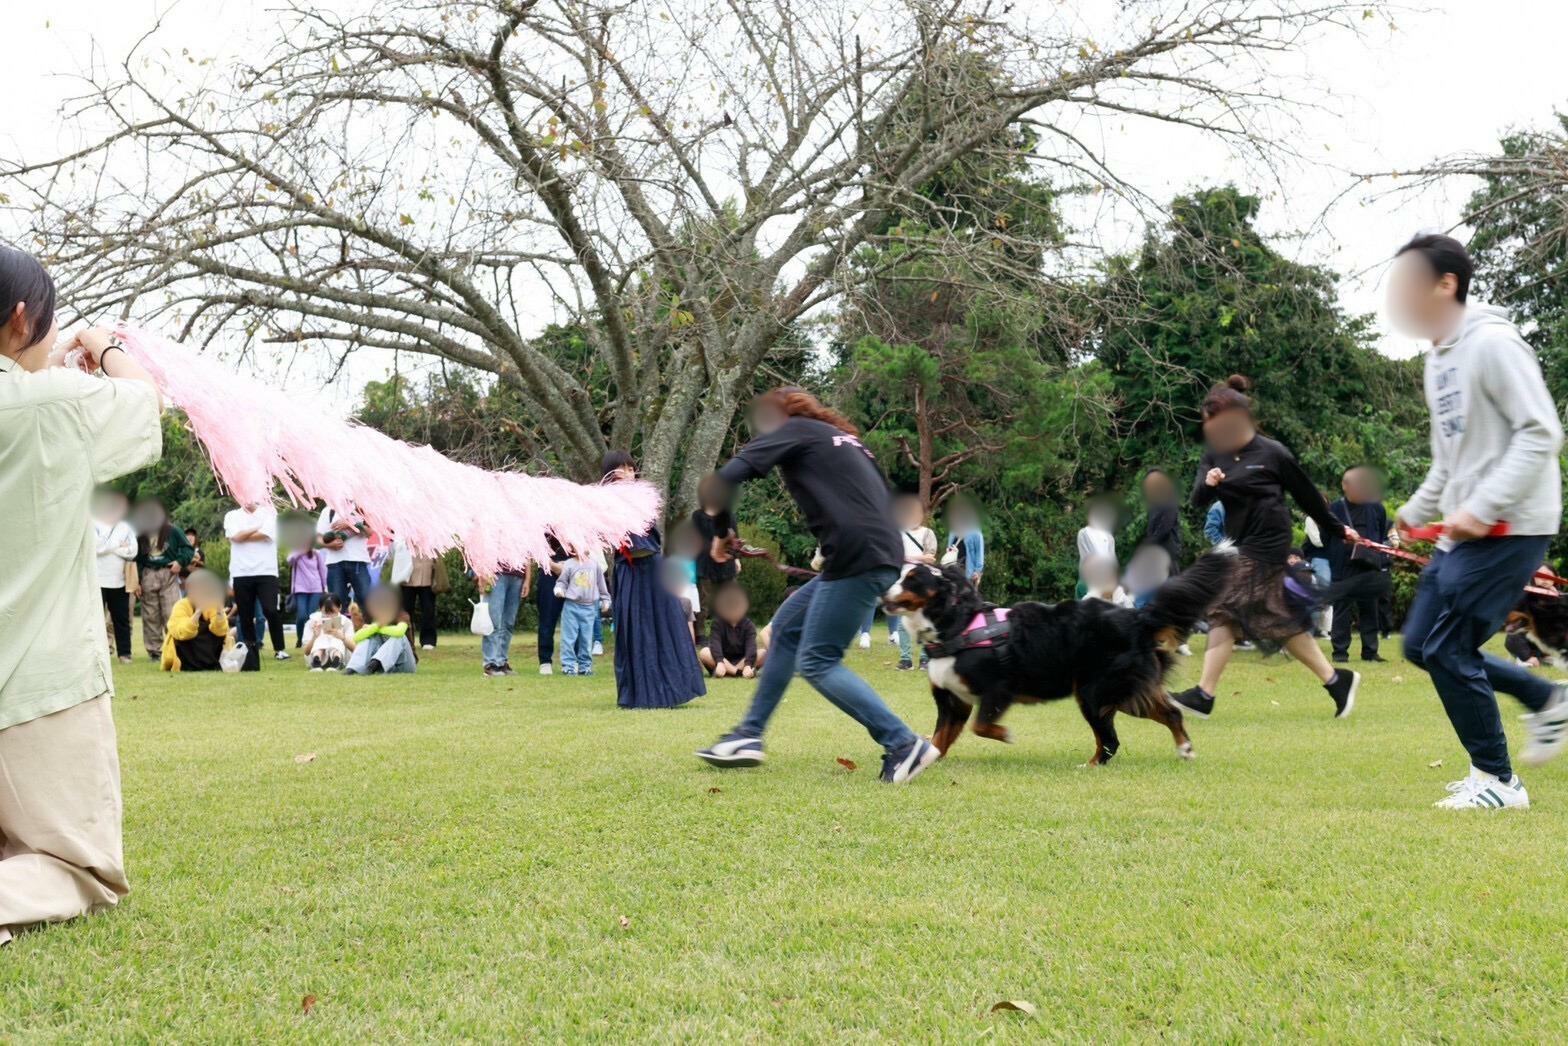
[205, 591]
[1420, 303]
[1102, 518]
[384, 606]
[1099, 573]
[1158, 489]
[766, 418]
[1229, 431]
[148, 516]
[910, 513]
[109, 506]
[298, 533]
[732, 605]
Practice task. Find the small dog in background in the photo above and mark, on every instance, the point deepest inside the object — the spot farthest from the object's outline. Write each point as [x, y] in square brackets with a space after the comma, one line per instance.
[1111, 659]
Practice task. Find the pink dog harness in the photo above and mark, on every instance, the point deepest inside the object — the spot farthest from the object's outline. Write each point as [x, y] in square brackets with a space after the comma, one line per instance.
[989, 628]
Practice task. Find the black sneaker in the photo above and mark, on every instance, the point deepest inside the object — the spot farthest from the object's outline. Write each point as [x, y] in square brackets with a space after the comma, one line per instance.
[905, 666]
[1376, 659]
[1342, 688]
[904, 765]
[734, 749]
[1194, 700]
[1341, 659]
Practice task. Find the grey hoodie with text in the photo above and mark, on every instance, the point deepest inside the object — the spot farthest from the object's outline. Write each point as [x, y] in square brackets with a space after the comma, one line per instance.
[1495, 430]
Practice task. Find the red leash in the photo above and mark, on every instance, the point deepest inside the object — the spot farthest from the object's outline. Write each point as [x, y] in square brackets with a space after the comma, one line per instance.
[1436, 530]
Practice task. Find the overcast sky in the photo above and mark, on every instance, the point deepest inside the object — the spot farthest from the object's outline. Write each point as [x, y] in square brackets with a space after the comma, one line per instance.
[1446, 79]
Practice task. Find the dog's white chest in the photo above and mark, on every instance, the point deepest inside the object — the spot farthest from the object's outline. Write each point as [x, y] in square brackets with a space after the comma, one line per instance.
[943, 672]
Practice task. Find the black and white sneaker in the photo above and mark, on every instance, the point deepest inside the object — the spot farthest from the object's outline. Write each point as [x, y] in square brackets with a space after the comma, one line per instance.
[1342, 688]
[904, 765]
[905, 665]
[1195, 701]
[734, 750]
[1548, 729]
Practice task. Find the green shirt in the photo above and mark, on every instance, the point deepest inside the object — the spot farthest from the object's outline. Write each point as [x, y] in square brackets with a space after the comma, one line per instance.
[62, 433]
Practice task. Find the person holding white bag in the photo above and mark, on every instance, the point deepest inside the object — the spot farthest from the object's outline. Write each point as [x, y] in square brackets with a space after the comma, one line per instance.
[505, 594]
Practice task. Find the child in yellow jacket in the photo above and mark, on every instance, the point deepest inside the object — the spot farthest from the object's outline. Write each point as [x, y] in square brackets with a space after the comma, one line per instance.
[197, 632]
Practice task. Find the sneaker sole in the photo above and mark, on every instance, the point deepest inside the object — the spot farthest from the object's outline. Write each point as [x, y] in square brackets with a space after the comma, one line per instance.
[928, 756]
[725, 762]
[1350, 698]
[1188, 711]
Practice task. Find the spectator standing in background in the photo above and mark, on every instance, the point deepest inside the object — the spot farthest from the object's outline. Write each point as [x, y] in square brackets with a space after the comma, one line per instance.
[307, 584]
[421, 579]
[584, 595]
[115, 548]
[252, 530]
[1164, 511]
[198, 561]
[965, 542]
[162, 556]
[1360, 574]
[346, 547]
[715, 527]
[545, 601]
[505, 593]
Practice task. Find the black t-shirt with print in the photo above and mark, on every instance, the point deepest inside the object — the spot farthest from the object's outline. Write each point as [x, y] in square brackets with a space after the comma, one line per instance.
[838, 487]
[1257, 519]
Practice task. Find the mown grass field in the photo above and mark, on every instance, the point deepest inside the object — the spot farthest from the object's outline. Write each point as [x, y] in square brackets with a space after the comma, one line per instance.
[517, 859]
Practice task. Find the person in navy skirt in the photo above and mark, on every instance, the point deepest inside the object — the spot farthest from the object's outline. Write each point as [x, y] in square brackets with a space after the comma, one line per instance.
[655, 661]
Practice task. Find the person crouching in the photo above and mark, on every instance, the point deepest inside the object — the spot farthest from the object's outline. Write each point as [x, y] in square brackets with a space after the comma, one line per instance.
[732, 639]
[329, 637]
[382, 646]
[197, 632]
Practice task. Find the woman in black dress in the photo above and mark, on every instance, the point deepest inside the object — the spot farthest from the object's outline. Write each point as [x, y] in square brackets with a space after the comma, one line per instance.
[1250, 475]
[655, 660]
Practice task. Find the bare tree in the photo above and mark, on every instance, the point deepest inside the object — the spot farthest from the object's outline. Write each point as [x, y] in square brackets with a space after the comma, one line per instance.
[683, 181]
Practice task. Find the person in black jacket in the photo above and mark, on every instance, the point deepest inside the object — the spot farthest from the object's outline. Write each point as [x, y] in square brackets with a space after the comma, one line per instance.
[1250, 475]
[731, 647]
[847, 506]
[1360, 574]
[1164, 530]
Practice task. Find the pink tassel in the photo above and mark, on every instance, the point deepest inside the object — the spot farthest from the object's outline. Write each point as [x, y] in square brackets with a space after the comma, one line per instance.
[257, 437]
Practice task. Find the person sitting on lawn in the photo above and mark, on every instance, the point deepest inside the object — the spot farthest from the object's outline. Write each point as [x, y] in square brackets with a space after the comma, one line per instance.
[1100, 582]
[198, 630]
[732, 648]
[329, 637]
[580, 586]
[382, 646]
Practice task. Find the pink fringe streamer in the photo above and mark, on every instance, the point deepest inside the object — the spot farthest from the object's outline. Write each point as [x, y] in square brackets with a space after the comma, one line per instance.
[258, 437]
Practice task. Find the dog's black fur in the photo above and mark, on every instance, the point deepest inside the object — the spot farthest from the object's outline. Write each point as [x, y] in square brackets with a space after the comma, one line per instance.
[1545, 620]
[1110, 658]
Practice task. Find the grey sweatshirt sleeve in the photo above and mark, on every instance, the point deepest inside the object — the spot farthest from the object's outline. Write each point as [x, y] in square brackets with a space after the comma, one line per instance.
[1512, 382]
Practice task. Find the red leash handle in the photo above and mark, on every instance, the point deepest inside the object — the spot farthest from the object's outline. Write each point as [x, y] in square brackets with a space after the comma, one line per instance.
[1540, 575]
[1434, 531]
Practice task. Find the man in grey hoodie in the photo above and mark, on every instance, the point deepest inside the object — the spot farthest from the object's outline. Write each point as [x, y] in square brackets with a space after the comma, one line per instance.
[1495, 439]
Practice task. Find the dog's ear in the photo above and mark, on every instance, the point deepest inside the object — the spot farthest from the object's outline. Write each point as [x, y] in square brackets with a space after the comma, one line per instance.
[956, 574]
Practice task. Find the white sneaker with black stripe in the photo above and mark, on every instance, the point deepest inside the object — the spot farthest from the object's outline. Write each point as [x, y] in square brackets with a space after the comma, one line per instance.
[1548, 729]
[1484, 791]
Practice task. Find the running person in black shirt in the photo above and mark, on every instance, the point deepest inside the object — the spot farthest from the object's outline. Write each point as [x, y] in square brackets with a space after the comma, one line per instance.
[844, 497]
[1250, 474]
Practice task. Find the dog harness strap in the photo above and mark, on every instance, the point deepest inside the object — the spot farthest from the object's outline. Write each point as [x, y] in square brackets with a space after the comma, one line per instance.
[989, 628]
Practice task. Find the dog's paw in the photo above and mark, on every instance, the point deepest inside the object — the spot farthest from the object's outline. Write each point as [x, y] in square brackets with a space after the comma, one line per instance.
[1185, 751]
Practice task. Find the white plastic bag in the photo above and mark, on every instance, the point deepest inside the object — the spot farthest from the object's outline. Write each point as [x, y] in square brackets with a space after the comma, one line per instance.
[480, 624]
[233, 659]
[402, 563]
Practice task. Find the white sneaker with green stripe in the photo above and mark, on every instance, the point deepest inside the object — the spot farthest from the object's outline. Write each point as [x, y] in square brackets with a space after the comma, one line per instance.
[1484, 791]
[1548, 729]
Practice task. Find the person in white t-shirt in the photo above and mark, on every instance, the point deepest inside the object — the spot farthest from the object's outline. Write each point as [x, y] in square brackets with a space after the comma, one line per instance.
[252, 530]
[114, 546]
[919, 547]
[345, 542]
[329, 637]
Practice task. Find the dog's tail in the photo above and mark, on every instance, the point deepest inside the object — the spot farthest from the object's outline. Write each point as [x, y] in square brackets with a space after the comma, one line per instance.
[1186, 598]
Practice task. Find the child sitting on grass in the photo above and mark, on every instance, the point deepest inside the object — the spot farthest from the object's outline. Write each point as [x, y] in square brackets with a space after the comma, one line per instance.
[382, 646]
[1099, 579]
[732, 638]
[329, 637]
[198, 630]
[581, 586]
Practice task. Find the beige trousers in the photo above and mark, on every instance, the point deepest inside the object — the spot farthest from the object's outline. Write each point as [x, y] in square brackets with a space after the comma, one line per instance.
[60, 853]
[160, 591]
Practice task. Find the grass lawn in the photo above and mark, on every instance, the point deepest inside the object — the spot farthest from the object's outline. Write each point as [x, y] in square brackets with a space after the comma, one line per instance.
[515, 858]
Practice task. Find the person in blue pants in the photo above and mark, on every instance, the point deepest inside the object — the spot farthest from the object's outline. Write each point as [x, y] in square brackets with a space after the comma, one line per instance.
[1495, 440]
[846, 504]
[507, 591]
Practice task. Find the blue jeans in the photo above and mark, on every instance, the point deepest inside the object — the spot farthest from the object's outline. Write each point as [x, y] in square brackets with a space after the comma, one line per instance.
[305, 604]
[577, 621]
[503, 599]
[906, 642]
[392, 654]
[811, 631]
[1463, 599]
[347, 574]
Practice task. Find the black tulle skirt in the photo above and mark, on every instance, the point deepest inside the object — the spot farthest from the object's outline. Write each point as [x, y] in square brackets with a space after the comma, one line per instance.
[655, 662]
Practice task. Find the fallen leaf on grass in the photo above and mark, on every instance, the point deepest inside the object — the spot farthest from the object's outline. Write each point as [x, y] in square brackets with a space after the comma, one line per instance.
[847, 764]
[307, 1005]
[1016, 1005]
[1396, 680]
[1434, 764]
[1274, 703]
[308, 757]
[626, 924]
[715, 790]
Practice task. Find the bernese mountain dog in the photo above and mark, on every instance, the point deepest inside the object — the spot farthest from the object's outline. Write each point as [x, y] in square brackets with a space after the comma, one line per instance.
[1111, 659]
[1544, 619]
